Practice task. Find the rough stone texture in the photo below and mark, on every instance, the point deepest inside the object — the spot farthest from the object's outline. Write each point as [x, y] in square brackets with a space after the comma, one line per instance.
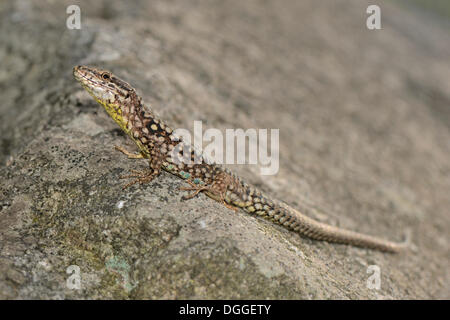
[364, 124]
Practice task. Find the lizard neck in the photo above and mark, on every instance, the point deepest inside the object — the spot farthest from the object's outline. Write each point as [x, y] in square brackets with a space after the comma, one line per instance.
[141, 125]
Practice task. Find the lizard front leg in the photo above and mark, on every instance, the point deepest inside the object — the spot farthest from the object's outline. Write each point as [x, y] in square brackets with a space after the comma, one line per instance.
[143, 176]
[130, 154]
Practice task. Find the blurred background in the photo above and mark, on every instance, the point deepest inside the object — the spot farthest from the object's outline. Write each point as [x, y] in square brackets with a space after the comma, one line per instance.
[364, 119]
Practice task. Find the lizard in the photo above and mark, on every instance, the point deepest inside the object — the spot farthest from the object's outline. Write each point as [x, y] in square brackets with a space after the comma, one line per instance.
[156, 142]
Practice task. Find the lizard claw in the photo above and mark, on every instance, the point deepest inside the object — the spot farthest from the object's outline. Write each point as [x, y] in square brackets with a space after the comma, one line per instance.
[141, 177]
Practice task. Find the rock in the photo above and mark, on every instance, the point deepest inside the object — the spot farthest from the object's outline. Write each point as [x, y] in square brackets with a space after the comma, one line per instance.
[364, 130]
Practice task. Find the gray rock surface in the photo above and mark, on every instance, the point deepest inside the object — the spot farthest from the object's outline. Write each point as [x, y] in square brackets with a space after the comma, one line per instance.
[364, 123]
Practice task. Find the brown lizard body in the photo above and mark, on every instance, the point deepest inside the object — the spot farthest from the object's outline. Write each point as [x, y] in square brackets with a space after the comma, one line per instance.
[156, 142]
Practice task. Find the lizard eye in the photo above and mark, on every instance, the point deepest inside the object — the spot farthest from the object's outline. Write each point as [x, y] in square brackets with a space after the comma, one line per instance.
[105, 76]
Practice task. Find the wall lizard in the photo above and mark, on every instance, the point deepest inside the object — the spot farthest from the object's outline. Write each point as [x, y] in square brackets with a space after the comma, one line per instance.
[156, 141]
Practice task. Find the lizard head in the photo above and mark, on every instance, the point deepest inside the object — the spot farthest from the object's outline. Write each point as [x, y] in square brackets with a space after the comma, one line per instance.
[111, 92]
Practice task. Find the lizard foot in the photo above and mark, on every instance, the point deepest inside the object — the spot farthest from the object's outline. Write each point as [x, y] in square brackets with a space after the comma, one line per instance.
[141, 177]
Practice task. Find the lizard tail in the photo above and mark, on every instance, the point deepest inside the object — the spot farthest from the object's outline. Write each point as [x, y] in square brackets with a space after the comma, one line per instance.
[308, 227]
[254, 202]
[321, 231]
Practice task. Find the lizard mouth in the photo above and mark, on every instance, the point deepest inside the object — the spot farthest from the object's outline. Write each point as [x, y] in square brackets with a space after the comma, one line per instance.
[92, 84]
[79, 74]
[86, 77]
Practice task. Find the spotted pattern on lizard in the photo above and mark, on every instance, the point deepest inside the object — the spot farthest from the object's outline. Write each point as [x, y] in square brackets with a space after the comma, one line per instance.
[156, 141]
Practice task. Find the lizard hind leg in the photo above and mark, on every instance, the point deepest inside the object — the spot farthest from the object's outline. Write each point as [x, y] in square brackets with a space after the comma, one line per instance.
[226, 204]
[211, 190]
[196, 188]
